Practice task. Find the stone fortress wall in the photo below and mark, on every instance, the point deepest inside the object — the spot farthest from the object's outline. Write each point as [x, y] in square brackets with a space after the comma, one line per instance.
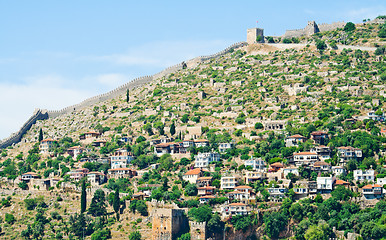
[16, 137]
[313, 28]
[41, 114]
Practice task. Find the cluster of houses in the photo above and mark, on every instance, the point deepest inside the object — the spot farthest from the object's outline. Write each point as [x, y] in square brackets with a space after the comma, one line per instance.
[240, 196]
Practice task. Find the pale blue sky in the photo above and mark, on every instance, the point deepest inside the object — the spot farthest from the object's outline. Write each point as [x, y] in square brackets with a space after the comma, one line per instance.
[57, 53]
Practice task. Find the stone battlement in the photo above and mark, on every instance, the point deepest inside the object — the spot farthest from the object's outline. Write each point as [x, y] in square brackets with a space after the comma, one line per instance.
[313, 28]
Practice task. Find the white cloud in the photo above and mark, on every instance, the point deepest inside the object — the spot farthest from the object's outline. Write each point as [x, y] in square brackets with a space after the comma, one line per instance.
[18, 101]
[162, 54]
[358, 15]
[112, 80]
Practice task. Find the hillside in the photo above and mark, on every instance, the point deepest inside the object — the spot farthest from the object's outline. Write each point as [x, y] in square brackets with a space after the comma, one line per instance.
[266, 102]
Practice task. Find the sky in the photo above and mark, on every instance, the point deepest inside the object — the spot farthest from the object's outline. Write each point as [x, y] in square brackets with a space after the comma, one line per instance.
[57, 53]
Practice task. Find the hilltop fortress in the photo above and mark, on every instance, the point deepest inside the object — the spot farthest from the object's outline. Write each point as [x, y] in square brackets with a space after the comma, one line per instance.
[313, 28]
[256, 35]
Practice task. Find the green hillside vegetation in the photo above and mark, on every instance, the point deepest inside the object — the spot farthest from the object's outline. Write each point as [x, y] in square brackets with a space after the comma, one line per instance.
[230, 99]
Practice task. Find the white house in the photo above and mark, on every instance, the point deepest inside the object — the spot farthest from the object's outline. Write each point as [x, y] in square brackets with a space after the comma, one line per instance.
[372, 191]
[294, 140]
[223, 147]
[381, 181]
[121, 158]
[293, 170]
[362, 175]
[192, 175]
[325, 184]
[255, 163]
[307, 158]
[323, 152]
[236, 209]
[228, 182]
[202, 160]
[338, 170]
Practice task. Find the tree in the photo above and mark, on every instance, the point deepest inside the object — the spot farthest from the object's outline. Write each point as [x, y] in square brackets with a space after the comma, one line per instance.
[83, 198]
[185, 118]
[9, 218]
[172, 129]
[116, 203]
[318, 232]
[101, 234]
[259, 125]
[341, 193]
[274, 223]
[321, 45]
[349, 27]
[135, 236]
[127, 95]
[201, 214]
[191, 189]
[40, 135]
[23, 185]
[98, 205]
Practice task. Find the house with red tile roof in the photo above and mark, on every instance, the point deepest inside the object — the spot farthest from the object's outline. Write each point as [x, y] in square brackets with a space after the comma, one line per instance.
[305, 158]
[192, 175]
[294, 140]
[372, 191]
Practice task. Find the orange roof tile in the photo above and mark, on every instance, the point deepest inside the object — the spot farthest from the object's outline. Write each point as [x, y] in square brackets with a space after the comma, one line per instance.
[243, 187]
[195, 171]
[305, 153]
[208, 196]
[237, 204]
[296, 136]
[341, 182]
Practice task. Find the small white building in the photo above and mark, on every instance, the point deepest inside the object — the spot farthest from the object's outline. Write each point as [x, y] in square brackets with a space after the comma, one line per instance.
[325, 184]
[223, 147]
[203, 160]
[293, 170]
[362, 175]
[294, 140]
[257, 164]
[381, 181]
[236, 209]
[306, 158]
[338, 170]
[228, 182]
[192, 175]
[120, 159]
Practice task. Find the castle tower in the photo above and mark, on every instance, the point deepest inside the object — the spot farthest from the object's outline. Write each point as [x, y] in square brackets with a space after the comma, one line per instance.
[311, 28]
[255, 35]
[197, 230]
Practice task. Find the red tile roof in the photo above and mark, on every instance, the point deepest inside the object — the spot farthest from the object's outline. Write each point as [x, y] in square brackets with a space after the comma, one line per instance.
[243, 187]
[296, 136]
[341, 182]
[305, 153]
[195, 171]
[237, 204]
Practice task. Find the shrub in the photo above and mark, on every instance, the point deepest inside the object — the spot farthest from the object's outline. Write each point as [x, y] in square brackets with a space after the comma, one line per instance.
[9, 218]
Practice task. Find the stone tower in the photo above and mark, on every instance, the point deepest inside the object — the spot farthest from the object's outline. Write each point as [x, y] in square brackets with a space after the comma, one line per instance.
[168, 223]
[311, 28]
[197, 230]
[254, 34]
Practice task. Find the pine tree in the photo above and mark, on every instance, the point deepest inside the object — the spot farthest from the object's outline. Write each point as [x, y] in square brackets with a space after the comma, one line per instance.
[172, 129]
[83, 198]
[116, 203]
[40, 135]
[127, 95]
